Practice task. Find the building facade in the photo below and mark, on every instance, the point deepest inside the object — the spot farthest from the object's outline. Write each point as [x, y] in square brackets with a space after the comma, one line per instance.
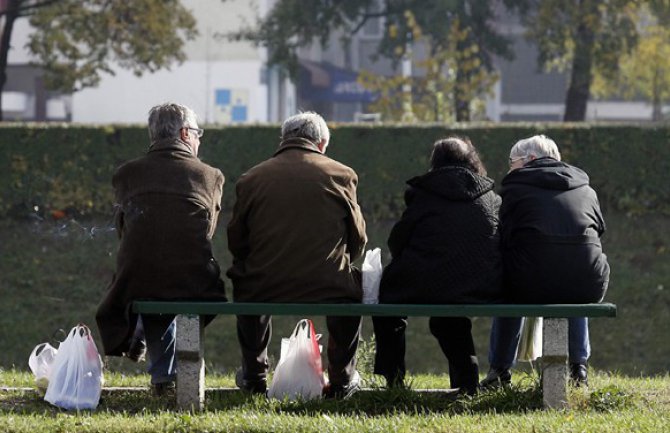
[229, 82]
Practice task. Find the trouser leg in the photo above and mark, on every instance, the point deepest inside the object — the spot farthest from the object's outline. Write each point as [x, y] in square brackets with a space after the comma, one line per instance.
[159, 331]
[504, 341]
[343, 336]
[138, 334]
[253, 334]
[390, 347]
[579, 346]
[455, 338]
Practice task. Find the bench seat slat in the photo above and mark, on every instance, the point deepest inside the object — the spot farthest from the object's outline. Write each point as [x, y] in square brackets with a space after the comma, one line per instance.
[470, 310]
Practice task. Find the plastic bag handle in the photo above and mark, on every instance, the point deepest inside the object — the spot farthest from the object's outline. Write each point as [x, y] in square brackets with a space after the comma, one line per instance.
[301, 324]
[38, 349]
[82, 330]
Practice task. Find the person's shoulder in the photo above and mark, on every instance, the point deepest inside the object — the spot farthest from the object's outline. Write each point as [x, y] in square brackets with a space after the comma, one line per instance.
[209, 169]
[491, 198]
[260, 168]
[211, 177]
[337, 168]
[258, 171]
[130, 166]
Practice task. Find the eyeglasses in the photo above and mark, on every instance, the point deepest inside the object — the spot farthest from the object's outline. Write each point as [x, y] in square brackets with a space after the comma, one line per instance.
[198, 131]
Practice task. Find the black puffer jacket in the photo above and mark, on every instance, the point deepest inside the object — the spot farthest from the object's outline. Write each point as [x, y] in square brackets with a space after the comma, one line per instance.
[551, 225]
[446, 246]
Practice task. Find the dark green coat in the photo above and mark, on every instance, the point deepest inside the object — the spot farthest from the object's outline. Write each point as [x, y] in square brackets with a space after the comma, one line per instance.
[296, 228]
[168, 203]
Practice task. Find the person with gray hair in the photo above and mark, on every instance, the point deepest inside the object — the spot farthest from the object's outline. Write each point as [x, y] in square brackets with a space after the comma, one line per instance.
[167, 205]
[537, 146]
[169, 120]
[308, 125]
[295, 231]
[551, 224]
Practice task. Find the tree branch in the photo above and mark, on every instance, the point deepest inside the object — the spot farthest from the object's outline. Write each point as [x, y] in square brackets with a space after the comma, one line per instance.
[23, 10]
[365, 17]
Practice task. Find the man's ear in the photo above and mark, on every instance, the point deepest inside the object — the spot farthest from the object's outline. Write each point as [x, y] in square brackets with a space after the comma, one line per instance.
[183, 134]
[322, 145]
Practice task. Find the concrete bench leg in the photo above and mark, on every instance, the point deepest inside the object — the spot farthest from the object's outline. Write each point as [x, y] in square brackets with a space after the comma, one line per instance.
[554, 363]
[190, 363]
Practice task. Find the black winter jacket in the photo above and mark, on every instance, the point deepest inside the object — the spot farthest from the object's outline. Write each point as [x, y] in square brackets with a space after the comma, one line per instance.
[445, 247]
[551, 225]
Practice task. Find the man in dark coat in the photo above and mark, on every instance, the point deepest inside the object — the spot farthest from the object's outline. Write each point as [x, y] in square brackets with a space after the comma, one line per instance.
[167, 206]
[295, 231]
[551, 225]
[445, 250]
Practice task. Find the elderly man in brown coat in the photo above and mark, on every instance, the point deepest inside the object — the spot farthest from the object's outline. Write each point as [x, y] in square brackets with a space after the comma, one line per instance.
[295, 230]
[168, 203]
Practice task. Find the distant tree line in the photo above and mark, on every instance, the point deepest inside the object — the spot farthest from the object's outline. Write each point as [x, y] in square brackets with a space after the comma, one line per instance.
[592, 40]
[609, 48]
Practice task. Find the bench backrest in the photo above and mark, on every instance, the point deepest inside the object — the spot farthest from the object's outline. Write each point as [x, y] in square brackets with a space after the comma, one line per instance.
[469, 310]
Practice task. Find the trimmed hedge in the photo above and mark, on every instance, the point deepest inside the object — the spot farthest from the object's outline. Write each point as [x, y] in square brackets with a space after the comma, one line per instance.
[51, 169]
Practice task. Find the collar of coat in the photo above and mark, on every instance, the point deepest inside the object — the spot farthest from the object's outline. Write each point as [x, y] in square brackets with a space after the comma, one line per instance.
[171, 144]
[297, 143]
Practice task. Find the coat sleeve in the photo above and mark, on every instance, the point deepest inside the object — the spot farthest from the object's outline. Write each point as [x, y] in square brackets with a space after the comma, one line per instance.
[118, 205]
[402, 230]
[602, 227]
[217, 195]
[238, 232]
[118, 219]
[355, 222]
[507, 215]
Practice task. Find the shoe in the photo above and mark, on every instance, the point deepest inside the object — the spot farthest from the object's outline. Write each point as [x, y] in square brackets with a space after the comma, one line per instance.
[137, 351]
[342, 392]
[259, 386]
[164, 389]
[496, 378]
[395, 381]
[456, 393]
[578, 375]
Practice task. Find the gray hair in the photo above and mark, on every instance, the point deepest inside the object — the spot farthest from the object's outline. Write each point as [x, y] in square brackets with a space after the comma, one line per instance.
[167, 119]
[308, 125]
[539, 146]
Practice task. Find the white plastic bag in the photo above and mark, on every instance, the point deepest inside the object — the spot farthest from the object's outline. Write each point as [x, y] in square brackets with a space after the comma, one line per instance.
[299, 373]
[530, 345]
[372, 275]
[40, 363]
[76, 374]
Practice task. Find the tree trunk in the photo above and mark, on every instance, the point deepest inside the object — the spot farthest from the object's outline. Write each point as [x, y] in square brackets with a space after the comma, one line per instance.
[11, 14]
[581, 74]
[461, 104]
[657, 112]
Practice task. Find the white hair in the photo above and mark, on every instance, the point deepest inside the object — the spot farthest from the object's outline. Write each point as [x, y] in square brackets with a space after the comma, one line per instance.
[539, 146]
[167, 119]
[308, 125]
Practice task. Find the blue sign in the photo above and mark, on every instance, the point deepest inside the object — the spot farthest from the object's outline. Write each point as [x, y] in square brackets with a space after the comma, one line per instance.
[342, 86]
[231, 105]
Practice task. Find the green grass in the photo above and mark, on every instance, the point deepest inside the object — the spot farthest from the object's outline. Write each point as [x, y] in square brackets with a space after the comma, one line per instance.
[614, 404]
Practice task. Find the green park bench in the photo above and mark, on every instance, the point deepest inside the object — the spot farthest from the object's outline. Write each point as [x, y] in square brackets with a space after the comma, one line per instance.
[190, 351]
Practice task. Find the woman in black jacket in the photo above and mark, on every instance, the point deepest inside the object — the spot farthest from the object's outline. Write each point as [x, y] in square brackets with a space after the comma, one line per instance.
[445, 250]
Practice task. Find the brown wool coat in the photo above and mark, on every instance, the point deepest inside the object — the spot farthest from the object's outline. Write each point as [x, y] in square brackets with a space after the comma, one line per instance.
[168, 203]
[296, 228]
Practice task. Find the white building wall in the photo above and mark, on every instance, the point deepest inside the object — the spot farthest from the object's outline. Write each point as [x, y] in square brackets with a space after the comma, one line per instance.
[221, 80]
[18, 53]
[127, 99]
